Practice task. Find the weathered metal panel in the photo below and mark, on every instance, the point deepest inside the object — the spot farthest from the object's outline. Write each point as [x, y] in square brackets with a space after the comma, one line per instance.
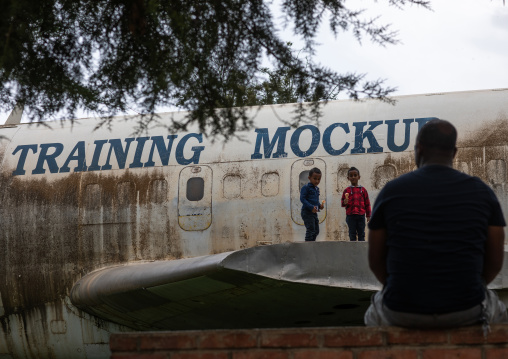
[168, 294]
[73, 200]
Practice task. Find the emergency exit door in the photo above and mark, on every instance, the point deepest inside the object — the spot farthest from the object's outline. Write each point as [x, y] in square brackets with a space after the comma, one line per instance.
[299, 178]
[195, 198]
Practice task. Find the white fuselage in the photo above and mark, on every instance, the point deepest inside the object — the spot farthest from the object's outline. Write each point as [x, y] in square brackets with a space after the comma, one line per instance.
[75, 200]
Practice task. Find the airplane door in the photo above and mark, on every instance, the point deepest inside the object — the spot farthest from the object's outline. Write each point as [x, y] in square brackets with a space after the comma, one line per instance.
[299, 178]
[195, 198]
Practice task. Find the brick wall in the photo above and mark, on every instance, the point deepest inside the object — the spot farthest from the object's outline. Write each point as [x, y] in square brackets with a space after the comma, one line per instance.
[314, 343]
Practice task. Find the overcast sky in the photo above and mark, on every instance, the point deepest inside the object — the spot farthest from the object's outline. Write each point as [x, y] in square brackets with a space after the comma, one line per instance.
[460, 45]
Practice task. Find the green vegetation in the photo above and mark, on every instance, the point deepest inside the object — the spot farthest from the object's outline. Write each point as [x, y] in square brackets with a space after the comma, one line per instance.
[108, 56]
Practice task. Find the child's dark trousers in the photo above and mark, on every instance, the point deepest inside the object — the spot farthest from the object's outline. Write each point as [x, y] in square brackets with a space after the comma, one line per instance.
[356, 224]
[311, 222]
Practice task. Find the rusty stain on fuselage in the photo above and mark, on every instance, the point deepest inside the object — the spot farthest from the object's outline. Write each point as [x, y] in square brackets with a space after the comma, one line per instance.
[50, 244]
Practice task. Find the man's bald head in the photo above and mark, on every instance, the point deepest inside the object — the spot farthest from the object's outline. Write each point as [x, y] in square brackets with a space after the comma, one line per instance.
[436, 143]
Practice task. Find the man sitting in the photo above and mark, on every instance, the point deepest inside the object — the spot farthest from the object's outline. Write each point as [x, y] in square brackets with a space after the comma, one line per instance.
[436, 240]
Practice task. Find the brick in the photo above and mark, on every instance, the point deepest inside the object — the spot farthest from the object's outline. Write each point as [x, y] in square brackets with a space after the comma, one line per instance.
[474, 335]
[388, 354]
[140, 356]
[462, 353]
[123, 342]
[467, 335]
[314, 343]
[200, 355]
[322, 354]
[283, 339]
[498, 334]
[261, 354]
[152, 341]
[354, 337]
[219, 339]
[403, 336]
[496, 353]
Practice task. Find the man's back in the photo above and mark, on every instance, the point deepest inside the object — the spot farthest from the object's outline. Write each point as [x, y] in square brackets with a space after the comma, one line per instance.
[436, 220]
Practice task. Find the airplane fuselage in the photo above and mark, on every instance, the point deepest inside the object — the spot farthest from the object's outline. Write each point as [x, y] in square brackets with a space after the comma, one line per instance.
[74, 200]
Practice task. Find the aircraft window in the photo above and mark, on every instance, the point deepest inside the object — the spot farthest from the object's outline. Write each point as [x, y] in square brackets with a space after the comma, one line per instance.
[195, 189]
[158, 191]
[232, 186]
[496, 171]
[270, 184]
[304, 178]
[382, 175]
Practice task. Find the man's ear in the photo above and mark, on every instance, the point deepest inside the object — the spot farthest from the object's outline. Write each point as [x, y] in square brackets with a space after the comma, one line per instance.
[454, 151]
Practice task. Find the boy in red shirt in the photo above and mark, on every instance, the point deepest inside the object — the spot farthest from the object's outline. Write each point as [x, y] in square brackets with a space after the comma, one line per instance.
[356, 200]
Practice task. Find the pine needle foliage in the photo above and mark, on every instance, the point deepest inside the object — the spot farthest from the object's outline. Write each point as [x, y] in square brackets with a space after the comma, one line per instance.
[205, 56]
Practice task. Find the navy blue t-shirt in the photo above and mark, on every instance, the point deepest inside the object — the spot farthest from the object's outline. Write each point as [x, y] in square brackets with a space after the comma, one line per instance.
[436, 220]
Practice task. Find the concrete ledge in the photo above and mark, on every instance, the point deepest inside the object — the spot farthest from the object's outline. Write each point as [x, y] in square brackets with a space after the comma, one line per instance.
[314, 343]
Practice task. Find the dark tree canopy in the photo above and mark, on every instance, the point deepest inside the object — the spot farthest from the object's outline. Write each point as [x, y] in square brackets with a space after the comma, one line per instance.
[206, 56]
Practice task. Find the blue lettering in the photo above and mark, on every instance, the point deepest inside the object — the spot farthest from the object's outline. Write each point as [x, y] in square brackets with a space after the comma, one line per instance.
[279, 137]
[264, 147]
[391, 135]
[360, 136]
[50, 159]
[80, 157]
[197, 150]
[22, 158]
[94, 166]
[327, 144]
[120, 153]
[139, 152]
[164, 152]
[295, 139]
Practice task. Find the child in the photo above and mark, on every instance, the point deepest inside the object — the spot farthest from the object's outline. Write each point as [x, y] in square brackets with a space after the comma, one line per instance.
[309, 195]
[356, 200]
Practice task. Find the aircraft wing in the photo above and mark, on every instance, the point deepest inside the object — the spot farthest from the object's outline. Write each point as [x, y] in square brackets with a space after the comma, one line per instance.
[281, 285]
[290, 284]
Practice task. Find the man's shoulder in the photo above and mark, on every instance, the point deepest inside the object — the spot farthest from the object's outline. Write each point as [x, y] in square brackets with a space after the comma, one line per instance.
[423, 174]
[445, 177]
[457, 178]
[403, 179]
[478, 186]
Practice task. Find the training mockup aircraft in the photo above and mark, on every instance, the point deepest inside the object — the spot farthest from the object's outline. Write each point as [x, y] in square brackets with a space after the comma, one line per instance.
[102, 231]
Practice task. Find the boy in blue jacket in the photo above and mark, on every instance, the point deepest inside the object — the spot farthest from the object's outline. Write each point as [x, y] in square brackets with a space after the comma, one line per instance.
[309, 195]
